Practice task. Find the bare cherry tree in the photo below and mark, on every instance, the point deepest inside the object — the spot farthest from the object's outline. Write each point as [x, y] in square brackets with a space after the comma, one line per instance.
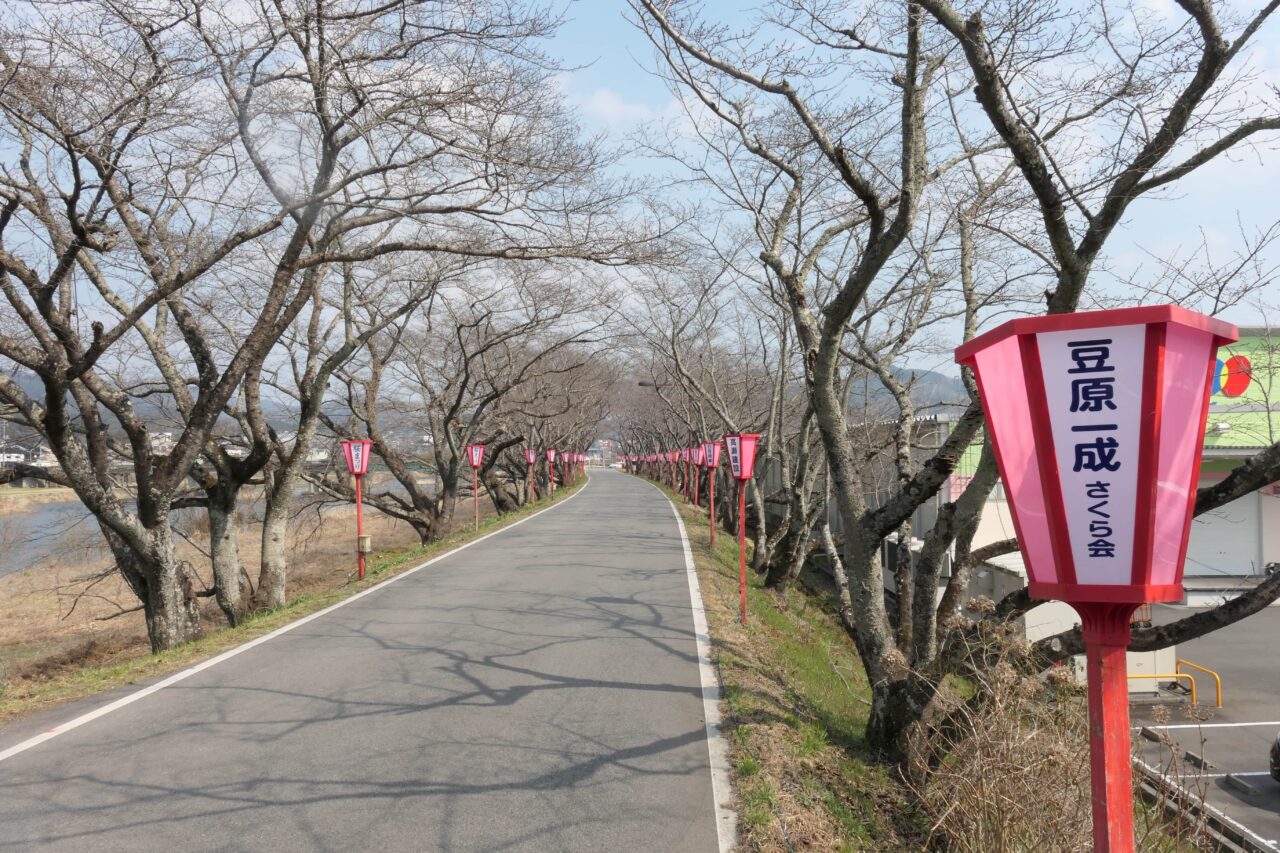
[850, 147]
[148, 150]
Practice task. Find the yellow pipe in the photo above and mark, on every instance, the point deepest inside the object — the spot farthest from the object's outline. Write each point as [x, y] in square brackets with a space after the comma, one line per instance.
[1175, 676]
[1216, 679]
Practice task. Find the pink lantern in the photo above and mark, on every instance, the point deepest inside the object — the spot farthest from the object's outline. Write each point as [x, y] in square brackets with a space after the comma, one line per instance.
[530, 457]
[742, 454]
[711, 458]
[475, 455]
[711, 453]
[357, 452]
[742, 463]
[1098, 420]
[699, 455]
[551, 455]
[1098, 423]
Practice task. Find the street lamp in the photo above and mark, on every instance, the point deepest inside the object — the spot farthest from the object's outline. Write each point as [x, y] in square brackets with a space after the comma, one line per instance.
[742, 462]
[531, 456]
[697, 455]
[475, 455]
[1098, 419]
[356, 451]
[711, 455]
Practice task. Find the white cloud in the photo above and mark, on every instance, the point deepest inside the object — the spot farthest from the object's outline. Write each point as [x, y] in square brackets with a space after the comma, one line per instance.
[610, 108]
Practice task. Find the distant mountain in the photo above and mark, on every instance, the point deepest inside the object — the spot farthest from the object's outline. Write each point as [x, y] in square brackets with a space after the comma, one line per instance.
[932, 388]
[929, 388]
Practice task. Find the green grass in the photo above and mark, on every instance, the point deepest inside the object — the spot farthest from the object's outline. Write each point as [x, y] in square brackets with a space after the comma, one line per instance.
[796, 703]
[88, 680]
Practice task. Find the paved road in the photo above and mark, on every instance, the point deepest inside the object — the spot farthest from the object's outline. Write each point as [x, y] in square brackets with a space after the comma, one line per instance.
[1237, 738]
[537, 691]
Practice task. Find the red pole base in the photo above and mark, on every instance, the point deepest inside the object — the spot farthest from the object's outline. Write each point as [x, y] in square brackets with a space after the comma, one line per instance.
[1106, 642]
[711, 507]
[742, 552]
[359, 527]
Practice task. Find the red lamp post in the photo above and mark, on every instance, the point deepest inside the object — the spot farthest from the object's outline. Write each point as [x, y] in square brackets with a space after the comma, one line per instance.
[742, 463]
[531, 456]
[357, 452]
[1097, 420]
[551, 470]
[684, 472]
[697, 455]
[711, 454]
[475, 455]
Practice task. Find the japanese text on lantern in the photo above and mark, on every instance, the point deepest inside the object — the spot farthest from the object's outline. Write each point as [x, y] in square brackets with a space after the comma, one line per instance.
[1093, 389]
[733, 444]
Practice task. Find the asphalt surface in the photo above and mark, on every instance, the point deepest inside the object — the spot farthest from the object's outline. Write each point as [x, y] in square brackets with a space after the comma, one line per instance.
[1235, 739]
[537, 691]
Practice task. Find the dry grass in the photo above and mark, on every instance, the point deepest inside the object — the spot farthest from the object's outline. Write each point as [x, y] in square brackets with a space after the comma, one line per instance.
[796, 702]
[1015, 775]
[60, 639]
[14, 499]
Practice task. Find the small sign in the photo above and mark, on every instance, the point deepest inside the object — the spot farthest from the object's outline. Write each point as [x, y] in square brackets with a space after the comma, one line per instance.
[356, 451]
[733, 444]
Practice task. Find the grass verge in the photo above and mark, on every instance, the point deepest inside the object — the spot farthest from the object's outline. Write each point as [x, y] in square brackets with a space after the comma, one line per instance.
[795, 706]
[25, 697]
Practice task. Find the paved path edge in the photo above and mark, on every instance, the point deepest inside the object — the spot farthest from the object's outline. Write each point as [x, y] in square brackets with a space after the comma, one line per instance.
[717, 746]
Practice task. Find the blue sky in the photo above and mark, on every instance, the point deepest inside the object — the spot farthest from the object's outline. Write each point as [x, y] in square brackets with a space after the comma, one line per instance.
[615, 91]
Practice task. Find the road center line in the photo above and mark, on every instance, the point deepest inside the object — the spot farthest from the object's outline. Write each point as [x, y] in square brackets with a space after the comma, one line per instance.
[182, 675]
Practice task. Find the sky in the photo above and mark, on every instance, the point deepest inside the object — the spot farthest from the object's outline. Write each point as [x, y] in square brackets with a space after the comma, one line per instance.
[615, 91]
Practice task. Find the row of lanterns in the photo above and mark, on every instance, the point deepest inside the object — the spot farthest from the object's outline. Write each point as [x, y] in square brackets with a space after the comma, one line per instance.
[664, 466]
[358, 450]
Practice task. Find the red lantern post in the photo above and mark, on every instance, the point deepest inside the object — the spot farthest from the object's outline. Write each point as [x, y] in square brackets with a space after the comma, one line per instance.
[531, 456]
[711, 453]
[475, 455]
[1097, 420]
[684, 472]
[551, 471]
[357, 453]
[697, 454]
[742, 462]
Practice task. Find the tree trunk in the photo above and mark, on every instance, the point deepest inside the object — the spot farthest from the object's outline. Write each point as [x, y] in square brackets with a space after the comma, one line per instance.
[504, 495]
[163, 584]
[230, 584]
[273, 575]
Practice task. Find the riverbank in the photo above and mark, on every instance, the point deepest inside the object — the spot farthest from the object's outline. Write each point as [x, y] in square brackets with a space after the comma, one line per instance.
[20, 499]
[59, 640]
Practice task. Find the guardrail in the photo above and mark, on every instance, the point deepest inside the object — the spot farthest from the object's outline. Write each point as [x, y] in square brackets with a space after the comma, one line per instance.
[1176, 676]
[1216, 679]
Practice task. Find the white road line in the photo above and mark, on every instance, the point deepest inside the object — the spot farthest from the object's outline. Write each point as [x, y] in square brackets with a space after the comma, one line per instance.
[230, 653]
[1219, 813]
[1224, 775]
[717, 747]
[1275, 724]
